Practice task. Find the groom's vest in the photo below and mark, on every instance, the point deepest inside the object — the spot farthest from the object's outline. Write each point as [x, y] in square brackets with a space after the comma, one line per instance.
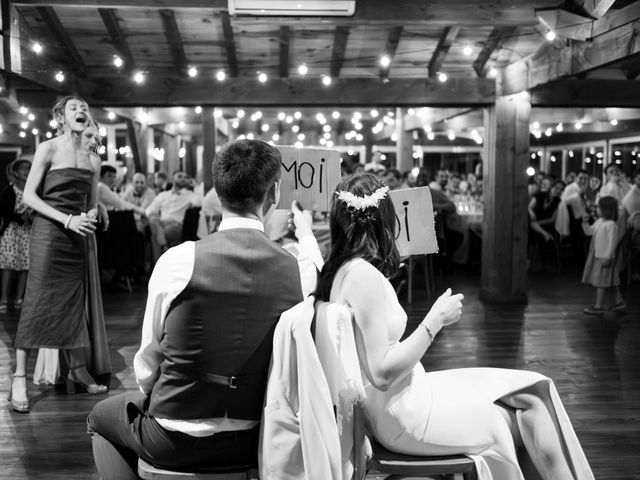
[218, 333]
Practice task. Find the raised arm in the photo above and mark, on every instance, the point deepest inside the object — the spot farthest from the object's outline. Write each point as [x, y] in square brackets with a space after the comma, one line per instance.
[367, 296]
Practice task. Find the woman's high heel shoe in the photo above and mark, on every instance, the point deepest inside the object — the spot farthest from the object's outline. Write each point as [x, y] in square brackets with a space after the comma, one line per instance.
[75, 385]
[20, 406]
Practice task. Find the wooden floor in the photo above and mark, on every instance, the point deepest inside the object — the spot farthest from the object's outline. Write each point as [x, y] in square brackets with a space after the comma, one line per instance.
[594, 362]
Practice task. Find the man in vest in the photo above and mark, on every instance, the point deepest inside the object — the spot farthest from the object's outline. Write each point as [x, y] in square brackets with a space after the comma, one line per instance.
[207, 335]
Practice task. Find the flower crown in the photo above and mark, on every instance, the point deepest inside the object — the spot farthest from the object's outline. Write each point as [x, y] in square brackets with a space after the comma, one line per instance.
[362, 203]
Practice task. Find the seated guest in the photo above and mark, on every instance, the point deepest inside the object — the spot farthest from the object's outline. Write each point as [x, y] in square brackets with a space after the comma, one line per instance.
[453, 186]
[166, 213]
[108, 197]
[160, 182]
[207, 334]
[393, 178]
[441, 181]
[140, 195]
[210, 214]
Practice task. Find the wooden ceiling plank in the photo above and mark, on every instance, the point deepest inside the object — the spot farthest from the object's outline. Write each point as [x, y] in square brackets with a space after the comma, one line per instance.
[300, 92]
[595, 8]
[285, 39]
[588, 93]
[447, 37]
[616, 19]
[490, 45]
[174, 40]
[227, 31]
[566, 24]
[380, 12]
[110, 19]
[554, 63]
[340, 37]
[393, 38]
[58, 31]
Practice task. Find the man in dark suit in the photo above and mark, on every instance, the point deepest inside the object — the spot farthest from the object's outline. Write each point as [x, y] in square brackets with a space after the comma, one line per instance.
[207, 335]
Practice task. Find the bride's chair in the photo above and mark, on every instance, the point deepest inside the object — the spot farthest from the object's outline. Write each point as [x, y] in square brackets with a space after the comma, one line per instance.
[335, 342]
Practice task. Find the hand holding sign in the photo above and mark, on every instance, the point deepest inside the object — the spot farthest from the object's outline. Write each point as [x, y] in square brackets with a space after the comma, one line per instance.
[415, 227]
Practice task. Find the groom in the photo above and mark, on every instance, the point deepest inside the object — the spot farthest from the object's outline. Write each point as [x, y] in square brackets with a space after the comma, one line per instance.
[207, 335]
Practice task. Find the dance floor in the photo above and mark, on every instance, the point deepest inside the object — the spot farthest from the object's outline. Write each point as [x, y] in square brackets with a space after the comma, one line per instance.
[595, 363]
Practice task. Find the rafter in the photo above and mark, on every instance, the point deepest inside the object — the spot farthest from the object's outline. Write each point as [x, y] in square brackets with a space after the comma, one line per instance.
[595, 8]
[588, 93]
[340, 37]
[497, 35]
[173, 39]
[285, 37]
[230, 45]
[300, 92]
[393, 38]
[58, 31]
[110, 20]
[447, 37]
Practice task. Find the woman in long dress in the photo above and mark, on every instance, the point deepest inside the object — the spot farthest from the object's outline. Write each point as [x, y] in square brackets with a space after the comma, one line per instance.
[62, 189]
[482, 412]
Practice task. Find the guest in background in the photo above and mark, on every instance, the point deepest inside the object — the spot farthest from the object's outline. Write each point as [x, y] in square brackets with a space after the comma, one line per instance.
[543, 208]
[375, 165]
[210, 214]
[15, 229]
[601, 269]
[453, 186]
[570, 178]
[166, 214]
[140, 195]
[612, 186]
[393, 178]
[440, 181]
[572, 208]
[631, 202]
[62, 189]
[160, 182]
[591, 195]
[110, 199]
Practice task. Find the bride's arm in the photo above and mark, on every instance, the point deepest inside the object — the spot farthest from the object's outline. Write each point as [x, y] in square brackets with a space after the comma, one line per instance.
[366, 295]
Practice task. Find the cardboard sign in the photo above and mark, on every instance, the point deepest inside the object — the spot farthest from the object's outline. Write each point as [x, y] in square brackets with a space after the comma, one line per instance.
[415, 228]
[309, 175]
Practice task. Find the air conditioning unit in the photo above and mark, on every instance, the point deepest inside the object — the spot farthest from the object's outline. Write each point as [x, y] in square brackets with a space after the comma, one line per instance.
[297, 8]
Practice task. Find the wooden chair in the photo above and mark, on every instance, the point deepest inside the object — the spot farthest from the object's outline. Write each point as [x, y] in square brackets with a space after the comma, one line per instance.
[147, 471]
[426, 262]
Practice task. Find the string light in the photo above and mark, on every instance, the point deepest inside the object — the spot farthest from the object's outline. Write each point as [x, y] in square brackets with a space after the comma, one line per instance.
[614, 122]
[275, 137]
[117, 61]
[281, 116]
[578, 125]
[37, 48]
[49, 135]
[335, 115]
[493, 73]
[59, 77]
[451, 135]
[442, 77]
[297, 115]
[262, 77]
[326, 80]
[22, 134]
[192, 72]
[265, 127]
[559, 127]
[34, 131]
[467, 50]
[374, 113]
[138, 77]
[302, 69]
[198, 110]
[31, 117]
[240, 113]
[111, 116]
[550, 36]
[221, 75]
[23, 110]
[385, 61]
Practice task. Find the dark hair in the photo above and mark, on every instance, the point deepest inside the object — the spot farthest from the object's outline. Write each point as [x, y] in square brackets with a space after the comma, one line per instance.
[107, 169]
[160, 175]
[58, 110]
[608, 208]
[393, 171]
[13, 167]
[369, 234]
[582, 170]
[610, 165]
[423, 178]
[243, 172]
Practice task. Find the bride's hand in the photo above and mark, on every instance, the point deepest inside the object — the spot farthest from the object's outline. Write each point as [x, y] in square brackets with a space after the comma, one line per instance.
[446, 309]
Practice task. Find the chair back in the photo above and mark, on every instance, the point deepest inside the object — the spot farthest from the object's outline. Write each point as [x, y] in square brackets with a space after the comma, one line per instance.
[190, 224]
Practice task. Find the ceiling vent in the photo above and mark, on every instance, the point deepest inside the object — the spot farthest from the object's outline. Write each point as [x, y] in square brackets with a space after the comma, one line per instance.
[298, 8]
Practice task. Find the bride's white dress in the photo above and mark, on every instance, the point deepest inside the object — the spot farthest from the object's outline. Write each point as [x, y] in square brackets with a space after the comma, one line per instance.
[454, 411]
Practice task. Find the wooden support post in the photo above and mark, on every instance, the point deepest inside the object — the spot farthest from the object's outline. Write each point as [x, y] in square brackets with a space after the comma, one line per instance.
[404, 145]
[209, 143]
[505, 220]
[136, 140]
[171, 159]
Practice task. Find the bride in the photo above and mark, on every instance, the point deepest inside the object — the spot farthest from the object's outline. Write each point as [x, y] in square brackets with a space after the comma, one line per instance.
[482, 412]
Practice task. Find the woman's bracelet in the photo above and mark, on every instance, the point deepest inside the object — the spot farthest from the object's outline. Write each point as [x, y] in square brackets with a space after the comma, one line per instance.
[428, 332]
[68, 221]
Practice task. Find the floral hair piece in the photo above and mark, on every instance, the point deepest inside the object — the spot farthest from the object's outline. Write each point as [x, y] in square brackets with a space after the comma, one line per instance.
[362, 203]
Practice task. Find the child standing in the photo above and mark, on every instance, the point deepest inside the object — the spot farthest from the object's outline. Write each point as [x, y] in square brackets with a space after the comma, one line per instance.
[600, 269]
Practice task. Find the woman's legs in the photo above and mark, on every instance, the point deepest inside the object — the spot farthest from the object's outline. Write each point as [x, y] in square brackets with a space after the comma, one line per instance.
[19, 397]
[539, 435]
[20, 285]
[599, 297]
[6, 284]
[78, 371]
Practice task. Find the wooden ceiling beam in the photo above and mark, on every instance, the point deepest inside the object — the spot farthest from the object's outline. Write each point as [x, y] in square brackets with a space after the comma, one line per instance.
[371, 12]
[230, 45]
[110, 19]
[447, 37]
[393, 38]
[63, 40]
[298, 91]
[340, 38]
[588, 93]
[174, 40]
[497, 35]
[594, 8]
[285, 40]
[554, 62]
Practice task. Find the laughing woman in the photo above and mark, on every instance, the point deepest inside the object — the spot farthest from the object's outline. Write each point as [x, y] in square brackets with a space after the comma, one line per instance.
[62, 189]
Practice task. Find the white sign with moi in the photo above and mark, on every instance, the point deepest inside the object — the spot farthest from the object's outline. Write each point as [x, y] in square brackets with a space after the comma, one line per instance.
[309, 175]
[415, 227]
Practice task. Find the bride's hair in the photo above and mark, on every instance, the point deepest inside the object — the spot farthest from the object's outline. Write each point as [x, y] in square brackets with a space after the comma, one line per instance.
[368, 233]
